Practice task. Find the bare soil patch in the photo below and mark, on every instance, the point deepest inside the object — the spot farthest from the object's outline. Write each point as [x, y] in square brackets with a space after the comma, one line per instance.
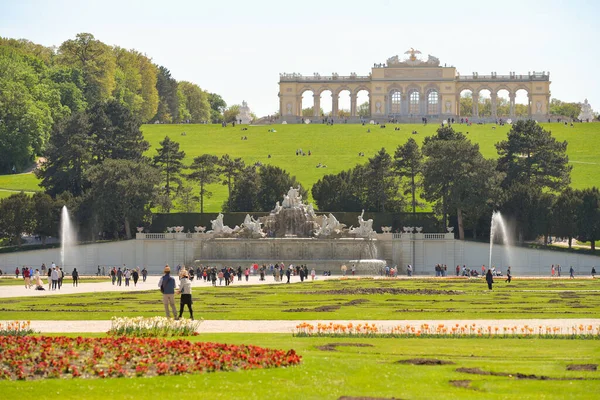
[461, 383]
[332, 346]
[328, 308]
[368, 398]
[518, 375]
[425, 361]
[582, 367]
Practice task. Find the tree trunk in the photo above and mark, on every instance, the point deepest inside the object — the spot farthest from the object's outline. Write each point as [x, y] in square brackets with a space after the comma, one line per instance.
[570, 241]
[127, 229]
[201, 199]
[593, 243]
[414, 205]
[475, 232]
[461, 228]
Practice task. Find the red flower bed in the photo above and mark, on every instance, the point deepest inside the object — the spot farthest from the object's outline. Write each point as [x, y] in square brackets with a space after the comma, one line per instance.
[30, 357]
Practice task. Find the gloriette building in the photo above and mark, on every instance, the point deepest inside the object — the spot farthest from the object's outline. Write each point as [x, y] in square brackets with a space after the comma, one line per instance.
[412, 88]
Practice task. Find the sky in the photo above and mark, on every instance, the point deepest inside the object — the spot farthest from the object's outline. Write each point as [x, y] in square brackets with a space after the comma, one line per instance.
[238, 48]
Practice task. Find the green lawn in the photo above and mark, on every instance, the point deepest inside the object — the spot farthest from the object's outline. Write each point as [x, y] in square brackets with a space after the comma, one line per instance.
[361, 371]
[336, 146]
[371, 299]
[19, 282]
[18, 182]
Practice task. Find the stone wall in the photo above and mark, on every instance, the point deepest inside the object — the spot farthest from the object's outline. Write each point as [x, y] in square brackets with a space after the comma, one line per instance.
[422, 250]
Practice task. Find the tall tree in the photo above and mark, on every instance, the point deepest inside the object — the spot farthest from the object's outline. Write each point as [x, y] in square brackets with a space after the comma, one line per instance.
[16, 217]
[244, 196]
[29, 106]
[148, 91]
[588, 216]
[565, 214]
[408, 164]
[97, 62]
[204, 172]
[116, 133]
[455, 175]
[231, 114]
[169, 162]
[229, 169]
[196, 101]
[336, 193]
[168, 103]
[128, 80]
[364, 110]
[132, 183]
[45, 216]
[68, 155]
[217, 107]
[274, 184]
[532, 156]
[383, 185]
[187, 199]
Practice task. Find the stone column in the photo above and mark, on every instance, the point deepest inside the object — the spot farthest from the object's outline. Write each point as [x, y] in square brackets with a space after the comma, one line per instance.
[317, 105]
[299, 106]
[529, 101]
[511, 100]
[404, 104]
[281, 109]
[423, 104]
[335, 98]
[475, 106]
[494, 97]
[457, 105]
[353, 104]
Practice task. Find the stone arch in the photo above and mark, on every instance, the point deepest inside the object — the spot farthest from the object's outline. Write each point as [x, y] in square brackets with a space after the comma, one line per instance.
[484, 87]
[305, 89]
[343, 101]
[502, 87]
[360, 88]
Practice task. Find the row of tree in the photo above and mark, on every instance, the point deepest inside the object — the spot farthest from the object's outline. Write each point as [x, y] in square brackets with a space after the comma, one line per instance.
[250, 188]
[529, 182]
[40, 87]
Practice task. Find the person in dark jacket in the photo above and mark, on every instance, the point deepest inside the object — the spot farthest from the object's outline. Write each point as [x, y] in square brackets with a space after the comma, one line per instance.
[75, 276]
[167, 287]
[489, 278]
[135, 275]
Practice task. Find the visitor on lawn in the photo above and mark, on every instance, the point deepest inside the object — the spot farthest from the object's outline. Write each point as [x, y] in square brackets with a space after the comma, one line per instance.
[75, 276]
[185, 288]
[489, 278]
[167, 287]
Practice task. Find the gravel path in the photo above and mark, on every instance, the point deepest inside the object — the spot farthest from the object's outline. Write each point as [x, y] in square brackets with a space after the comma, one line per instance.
[279, 326]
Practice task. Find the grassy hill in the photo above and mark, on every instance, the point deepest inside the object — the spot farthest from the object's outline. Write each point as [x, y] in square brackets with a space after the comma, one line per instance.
[337, 147]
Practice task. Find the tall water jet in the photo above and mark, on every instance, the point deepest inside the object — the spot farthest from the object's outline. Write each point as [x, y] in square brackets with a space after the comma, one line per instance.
[498, 226]
[67, 239]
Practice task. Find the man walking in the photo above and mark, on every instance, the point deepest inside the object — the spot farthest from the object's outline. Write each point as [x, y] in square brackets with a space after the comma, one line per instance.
[167, 287]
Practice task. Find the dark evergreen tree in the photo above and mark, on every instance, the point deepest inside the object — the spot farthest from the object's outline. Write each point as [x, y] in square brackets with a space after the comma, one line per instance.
[169, 162]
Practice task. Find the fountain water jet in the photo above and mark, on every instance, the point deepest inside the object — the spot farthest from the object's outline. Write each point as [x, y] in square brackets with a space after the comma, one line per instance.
[498, 225]
[67, 238]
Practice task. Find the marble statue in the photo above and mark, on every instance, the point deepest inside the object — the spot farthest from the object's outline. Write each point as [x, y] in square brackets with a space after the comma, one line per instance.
[218, 227]
[292, 199]
[431, 60]
[328, 226]
[586, 113]
[252, 227]
[244, 115]
[365, 228]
